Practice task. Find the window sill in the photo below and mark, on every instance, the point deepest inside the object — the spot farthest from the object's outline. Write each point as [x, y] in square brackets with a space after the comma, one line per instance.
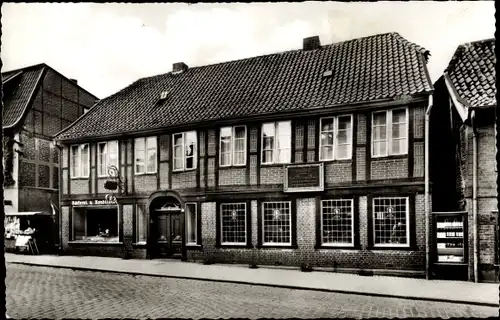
[392, 248]
[263, 165]
[100, 243]
[390, 157]
[183, 170]
[337, 161]
[233, 166]
[145, 174]
[80, 178]
[139, 245]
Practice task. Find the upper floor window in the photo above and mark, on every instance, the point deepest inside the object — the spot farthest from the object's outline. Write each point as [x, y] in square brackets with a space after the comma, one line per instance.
[107, 155]
[233, 146]
[336, 138]
[185, 150]
[276, 142]
[80, 157]
[390, 132]
[145, 155]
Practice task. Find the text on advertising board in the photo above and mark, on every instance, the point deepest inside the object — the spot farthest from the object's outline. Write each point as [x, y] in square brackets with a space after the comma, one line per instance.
[81, 203]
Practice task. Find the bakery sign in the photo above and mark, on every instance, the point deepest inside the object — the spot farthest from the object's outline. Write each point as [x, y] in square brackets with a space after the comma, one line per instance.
[86, 203]
[304, 177]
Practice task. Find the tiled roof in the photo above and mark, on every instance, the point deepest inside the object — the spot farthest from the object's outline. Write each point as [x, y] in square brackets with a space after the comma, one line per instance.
[366, 69]
[18, 95]
[472, 72]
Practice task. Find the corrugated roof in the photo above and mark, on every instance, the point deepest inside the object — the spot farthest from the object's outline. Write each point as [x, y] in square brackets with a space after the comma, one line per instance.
[472, 72]
[16, 100]
[365, 69]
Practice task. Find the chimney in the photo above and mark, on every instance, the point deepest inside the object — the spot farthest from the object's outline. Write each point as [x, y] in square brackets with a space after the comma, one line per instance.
[311, 43]
[179, 67]
[74, 80]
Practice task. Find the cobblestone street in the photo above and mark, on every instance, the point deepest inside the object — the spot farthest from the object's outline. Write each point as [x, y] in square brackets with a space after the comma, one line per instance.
[42, 292]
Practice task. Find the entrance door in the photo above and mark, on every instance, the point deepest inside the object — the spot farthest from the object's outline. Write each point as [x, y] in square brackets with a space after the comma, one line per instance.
[167, 234]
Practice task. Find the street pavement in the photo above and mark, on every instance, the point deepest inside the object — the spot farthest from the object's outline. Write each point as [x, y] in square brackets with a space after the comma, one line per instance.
[485, 294]
[45, 292]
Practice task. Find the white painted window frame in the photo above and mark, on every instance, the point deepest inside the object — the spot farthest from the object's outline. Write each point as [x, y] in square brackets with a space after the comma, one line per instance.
[403, 245]
[327, 244]
[280, 244]
[80, 160]
[183, 156]
[233, 147]
[335, 133]
[276, 149]
[389, 137]
[195, 212]
[107, 156]
[222, 225]
[147, 147]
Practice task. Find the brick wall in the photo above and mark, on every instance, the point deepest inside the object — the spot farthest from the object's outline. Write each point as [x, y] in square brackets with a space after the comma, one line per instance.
[145, 183]
[232, 176]
[271, 175]
[338, 172]
[389, 169]
[65, 226]
[306, 237]
[185, 179]
[79, 186]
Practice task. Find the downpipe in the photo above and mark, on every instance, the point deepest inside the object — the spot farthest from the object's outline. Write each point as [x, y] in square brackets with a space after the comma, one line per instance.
[474, 195]
[427, 191]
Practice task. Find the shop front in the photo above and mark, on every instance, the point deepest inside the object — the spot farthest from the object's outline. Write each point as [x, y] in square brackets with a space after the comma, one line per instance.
[29, 232]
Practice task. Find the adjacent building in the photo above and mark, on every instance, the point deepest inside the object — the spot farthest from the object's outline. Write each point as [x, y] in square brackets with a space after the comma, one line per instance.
[38, 102]
[463, 165]
[312, 156]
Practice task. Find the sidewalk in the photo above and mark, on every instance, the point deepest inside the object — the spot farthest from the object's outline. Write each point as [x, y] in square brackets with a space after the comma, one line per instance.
[485, 294]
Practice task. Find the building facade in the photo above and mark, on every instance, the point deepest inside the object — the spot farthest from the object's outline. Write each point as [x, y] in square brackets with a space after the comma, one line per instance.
[463, 139]
[312, 156]
[37, 102]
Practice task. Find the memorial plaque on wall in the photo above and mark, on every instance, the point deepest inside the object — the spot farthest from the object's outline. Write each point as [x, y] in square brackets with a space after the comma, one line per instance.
[304, 177]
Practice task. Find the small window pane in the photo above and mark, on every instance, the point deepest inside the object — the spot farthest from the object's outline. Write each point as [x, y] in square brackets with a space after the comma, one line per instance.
[267, 157]
[399, 116]
[85, 160]
[75, 164]
[327, 124]
[191, 224]
[240, 132]
[379, 118]
[141, 226]
[343, 151]
[326, 152]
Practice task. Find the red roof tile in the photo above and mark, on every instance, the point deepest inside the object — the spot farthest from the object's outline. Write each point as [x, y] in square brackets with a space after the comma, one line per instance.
[472, 72]
[365, 69]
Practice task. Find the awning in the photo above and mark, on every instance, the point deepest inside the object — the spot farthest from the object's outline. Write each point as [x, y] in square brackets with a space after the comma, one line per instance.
[28, 213]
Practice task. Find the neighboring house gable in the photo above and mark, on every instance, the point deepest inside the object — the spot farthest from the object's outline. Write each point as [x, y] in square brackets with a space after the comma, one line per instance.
[37, 102]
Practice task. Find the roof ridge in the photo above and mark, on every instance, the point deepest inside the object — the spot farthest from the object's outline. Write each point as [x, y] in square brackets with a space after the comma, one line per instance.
[274, 54]
[34, 66]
